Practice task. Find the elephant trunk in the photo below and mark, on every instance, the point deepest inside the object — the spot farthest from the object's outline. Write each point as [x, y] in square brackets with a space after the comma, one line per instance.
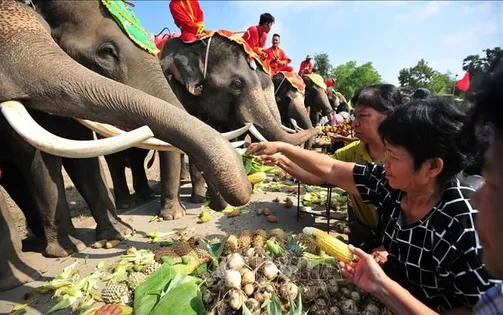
[323, 103]
[262, 117]
[297, 110]
[49, 80]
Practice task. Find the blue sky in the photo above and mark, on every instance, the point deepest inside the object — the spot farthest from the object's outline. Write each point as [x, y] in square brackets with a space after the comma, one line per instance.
[390, 34]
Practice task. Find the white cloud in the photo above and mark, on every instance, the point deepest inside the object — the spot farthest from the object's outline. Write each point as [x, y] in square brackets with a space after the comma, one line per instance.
[479, 7]
[430, 9]
[472, 34]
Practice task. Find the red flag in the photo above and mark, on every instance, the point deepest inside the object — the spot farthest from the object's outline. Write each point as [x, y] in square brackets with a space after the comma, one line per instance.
[464, 84]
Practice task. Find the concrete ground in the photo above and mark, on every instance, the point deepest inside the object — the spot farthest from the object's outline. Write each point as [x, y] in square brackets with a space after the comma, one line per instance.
[139, 218]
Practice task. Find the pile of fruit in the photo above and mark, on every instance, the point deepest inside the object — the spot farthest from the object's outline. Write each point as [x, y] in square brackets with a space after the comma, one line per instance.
[255, 272]
[343, 129]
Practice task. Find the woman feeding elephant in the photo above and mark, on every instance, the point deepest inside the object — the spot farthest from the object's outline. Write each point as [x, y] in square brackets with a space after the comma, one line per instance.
[373, 104]
[424, 209]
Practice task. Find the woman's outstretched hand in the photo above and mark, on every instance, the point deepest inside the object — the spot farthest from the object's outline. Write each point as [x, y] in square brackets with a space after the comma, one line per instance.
[365, 272]
[264, 148]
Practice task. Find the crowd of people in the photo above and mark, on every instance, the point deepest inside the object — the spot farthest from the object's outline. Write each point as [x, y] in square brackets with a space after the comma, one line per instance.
[425, 240]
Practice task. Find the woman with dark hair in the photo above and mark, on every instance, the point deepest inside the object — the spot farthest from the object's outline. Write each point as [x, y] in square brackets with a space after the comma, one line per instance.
[425, 211]
[372, 104]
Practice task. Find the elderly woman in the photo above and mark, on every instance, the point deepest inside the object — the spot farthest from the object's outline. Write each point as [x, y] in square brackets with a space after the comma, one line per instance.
[372, 104]
[428, 220]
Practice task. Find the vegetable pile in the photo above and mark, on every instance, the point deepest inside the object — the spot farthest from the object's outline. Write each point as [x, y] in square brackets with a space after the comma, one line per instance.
[255, 272]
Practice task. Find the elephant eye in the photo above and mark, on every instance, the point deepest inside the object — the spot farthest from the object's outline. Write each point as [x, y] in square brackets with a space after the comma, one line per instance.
[108, 50]
[237, 84]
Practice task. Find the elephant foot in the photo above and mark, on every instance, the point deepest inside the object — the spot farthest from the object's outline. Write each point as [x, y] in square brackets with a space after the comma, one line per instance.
[115, 231]
[33, 244]
[125, 203]
[21, 272]
[145, 194]
[197, 198]
[217, 204]
[64, 246]
[172, 211]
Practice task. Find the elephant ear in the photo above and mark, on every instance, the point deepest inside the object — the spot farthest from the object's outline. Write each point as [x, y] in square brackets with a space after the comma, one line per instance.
[187, 69]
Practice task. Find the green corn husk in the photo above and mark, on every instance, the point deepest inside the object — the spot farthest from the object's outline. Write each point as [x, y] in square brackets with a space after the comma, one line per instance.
[273, 246]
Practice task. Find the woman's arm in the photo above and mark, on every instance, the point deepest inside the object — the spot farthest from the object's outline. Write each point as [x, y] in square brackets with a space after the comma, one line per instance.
[298, 172]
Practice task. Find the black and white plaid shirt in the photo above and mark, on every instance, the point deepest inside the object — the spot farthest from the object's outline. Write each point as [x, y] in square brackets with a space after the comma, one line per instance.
[437, 258]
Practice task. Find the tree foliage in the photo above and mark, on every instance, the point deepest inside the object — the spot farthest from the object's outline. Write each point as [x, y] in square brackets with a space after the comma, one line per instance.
[322, 65]
[476, 64]
[350, 77]
[423, 76]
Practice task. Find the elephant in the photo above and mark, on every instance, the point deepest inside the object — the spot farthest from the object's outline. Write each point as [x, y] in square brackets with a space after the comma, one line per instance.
[317, 99]
[219, 71]
[291, 105]
[38, 73]
[336, 98]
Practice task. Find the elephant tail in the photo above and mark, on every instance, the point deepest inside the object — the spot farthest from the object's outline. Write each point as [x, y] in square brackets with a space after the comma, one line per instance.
[151, 161]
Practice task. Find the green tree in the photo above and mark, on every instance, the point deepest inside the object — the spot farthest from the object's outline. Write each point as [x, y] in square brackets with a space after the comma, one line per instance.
[476, 64]
[322, 65]
[424, 76]
[350, 77]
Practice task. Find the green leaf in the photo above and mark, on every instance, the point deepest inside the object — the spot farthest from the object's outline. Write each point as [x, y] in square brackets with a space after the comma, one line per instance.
[247, 166]
[274, 307]
[246, 310]
[20, 309]
[65, 302]
[215, 250]
[183, 299]
[148, 293]
[295, 308]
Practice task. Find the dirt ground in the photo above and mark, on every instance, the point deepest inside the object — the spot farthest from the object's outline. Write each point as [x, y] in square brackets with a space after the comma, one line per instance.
[140, 218]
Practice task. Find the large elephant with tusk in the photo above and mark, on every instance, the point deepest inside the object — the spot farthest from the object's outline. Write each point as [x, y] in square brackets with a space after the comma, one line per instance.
[222, 84]
[43, 77]
[316, 97]
[289, 90]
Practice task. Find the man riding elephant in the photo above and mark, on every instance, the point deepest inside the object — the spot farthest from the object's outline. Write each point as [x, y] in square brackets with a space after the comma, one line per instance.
[189, 17]
[278, 61]
[256, 36]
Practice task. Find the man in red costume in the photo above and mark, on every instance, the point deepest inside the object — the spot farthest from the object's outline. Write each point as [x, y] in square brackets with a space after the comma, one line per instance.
[189, 17]
[277, 57]
[306, 66]
[256, 36]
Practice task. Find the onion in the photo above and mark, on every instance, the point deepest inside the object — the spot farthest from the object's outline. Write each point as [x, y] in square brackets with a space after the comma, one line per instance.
[247, 277]
[270, 270]
[235, 261]
[233, 279]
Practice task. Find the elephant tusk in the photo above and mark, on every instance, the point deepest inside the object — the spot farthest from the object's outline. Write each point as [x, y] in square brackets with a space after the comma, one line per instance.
[256, 133]
[107, 130]
[21, 121]
[237, 144]
[295, 125]
[285, 128]
[236, 133]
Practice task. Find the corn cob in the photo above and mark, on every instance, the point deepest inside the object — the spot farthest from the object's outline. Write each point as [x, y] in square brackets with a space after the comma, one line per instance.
[330, 245]
[257, 177]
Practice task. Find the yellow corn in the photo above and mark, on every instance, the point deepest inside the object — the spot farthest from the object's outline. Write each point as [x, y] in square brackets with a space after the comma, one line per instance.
[330, 245]
[256, 178]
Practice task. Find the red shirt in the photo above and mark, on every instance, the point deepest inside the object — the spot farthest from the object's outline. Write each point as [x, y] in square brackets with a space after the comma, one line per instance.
[188, 16]
[303, 65]
[279, 55]
[256, 39]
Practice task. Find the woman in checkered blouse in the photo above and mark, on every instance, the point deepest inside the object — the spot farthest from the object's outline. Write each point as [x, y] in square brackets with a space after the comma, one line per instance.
[425, 211]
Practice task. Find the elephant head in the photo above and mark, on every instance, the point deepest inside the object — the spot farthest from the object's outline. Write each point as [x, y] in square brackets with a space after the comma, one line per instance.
[216, 81]
[38, 73]
[316, 98]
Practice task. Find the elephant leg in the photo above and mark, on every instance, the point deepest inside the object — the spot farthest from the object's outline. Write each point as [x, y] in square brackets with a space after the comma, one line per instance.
[117, 166]
[140, 181]
[171, 206]
[198, 194]
[89, 179]
[184, 172]
[12, 179]
[42, 174]
[15, 269]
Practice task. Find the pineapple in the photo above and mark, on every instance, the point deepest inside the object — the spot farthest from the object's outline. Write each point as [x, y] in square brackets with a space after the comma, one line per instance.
[168, 252]
[135, 279]
[193, 241]
[244, 239]
[294, 246]
[201, 255]
[259, 238]
[150, 269]
[182, 248]
[116, 294]
[278, 234]
[231, 245]
[308, 243]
